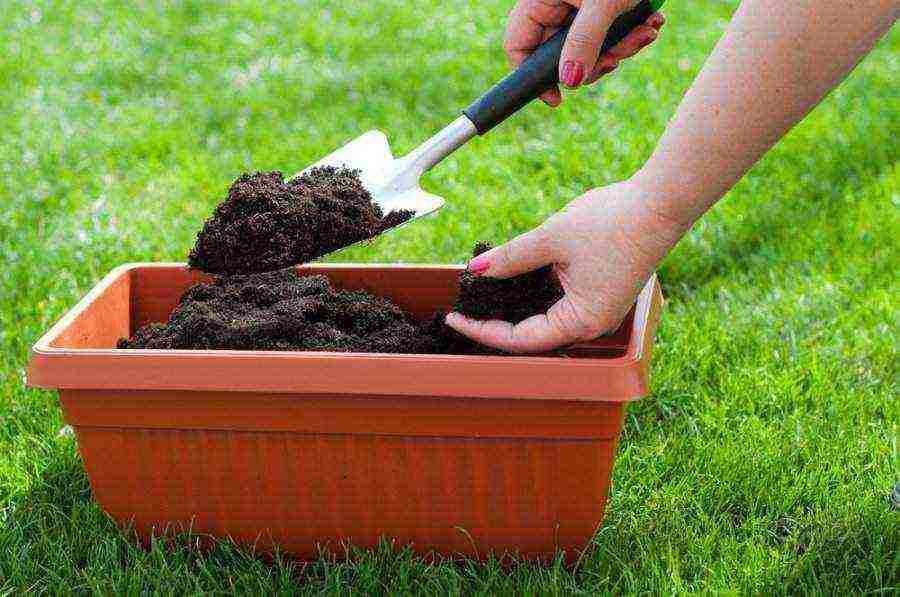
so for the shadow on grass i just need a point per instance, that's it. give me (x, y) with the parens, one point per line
(857, 553)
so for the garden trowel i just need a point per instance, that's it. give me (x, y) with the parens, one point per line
(394, 182)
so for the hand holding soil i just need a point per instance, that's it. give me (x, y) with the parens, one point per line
(603, 246)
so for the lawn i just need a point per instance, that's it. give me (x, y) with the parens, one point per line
(763, 461)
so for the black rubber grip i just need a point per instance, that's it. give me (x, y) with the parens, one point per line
(540, 71)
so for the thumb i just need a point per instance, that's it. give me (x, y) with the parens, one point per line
(522, 254)
(584, 40)
(563, 324)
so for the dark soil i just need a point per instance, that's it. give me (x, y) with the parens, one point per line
(512, 299)
(267, 223)
(284, 311)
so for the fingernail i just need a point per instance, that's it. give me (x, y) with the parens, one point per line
(657, 20)
(572, 73)
(452, 318)
(479, 265)
(648, 37)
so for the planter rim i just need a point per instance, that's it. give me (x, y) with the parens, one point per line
(284, 371)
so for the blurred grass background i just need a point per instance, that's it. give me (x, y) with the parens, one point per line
(764, 460)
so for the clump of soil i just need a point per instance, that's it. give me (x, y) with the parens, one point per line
(284, 311)
(513, 299)
(268, 223)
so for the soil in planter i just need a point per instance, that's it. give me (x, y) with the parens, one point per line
(268, 223)
(284, 311)
(512, 299)
(281, 310)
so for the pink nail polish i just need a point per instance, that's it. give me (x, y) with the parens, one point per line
(566, 72)
(479, 265)
(572, 73)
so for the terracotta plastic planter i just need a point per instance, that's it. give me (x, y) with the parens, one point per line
(453, 454)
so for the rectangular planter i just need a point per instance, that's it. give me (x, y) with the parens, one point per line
(454, 454)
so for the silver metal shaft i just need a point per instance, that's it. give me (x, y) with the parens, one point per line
(424, 157)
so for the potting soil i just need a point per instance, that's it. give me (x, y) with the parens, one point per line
(267, 222)
(285, 311)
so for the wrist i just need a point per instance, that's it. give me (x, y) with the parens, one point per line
(659, 206)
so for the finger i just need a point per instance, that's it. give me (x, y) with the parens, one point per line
(522, 35)
(582, 46)
(638, 39)
(560, 326)
(530, 23)
(633, 43)
(548, 32)
(552, 97)
(656, 20)
(604, 67)
(522, 254)
(532, 335)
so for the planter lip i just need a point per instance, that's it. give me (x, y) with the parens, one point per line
(46, 369)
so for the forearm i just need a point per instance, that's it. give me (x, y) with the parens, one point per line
(776, 61)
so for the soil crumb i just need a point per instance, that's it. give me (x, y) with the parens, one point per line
(285, 311)
(267, 223)
(512, 299)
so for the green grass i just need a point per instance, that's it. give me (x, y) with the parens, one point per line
(764, 458)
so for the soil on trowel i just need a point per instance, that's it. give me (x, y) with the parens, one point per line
(268, 223)
(285, 311)
(513, 299)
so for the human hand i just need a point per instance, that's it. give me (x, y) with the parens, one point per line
(603, 246)
(531, 22)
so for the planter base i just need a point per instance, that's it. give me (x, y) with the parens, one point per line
(303, 491)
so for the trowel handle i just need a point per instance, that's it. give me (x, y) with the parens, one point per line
(540, 71)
